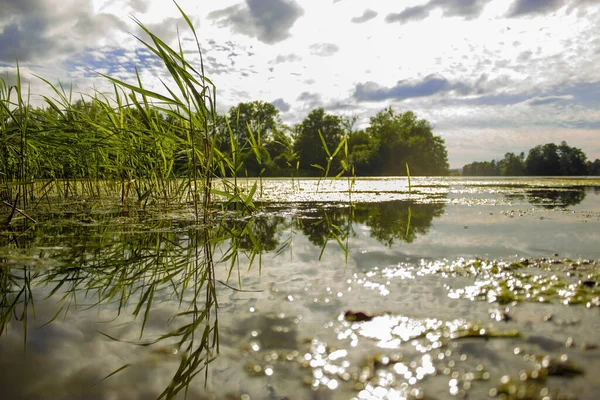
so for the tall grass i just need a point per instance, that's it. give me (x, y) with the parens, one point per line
(139, 137)
(160, 149)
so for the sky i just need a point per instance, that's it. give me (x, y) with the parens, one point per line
(492, 76)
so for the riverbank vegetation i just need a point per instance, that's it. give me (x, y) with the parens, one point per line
(547, 160)
(390, 141)
(125, 136)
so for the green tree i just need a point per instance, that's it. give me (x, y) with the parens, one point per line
(593, 167)
(250, 134)
(260, 117)
(363, 152)
(402, 138)
(482, 168)
(308, 145)
(546, 160)
(572, 160)
(512, 165)
(543, 161)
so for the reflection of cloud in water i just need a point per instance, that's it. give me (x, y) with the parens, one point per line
(68, 358)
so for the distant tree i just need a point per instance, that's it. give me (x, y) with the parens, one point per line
(493, 168)
(363, 151)
(403, 138)
(259, 117)
(359, 138)
(534, 163)
(436, 158)
(546, 160)
(593, 167)
(482, 168)
(543, 161)
(308, 145)
(572, 160)
(512, 165)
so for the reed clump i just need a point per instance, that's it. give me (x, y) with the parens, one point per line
(158, 148)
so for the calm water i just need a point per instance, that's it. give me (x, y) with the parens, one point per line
(456, 288)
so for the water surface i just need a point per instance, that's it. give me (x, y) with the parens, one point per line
(365, 289)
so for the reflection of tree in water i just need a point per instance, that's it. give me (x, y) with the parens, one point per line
(389, 221)
(320, 224)
(552, 198)
(261, 233)
(397, 220)
(515, 197)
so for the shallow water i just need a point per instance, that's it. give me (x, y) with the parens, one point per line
(456, 287)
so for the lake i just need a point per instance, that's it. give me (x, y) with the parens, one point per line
(367, 289)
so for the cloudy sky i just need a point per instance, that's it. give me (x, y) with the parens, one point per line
(491, 75)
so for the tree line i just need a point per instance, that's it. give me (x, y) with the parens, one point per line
(542, 160)
(89, 139)
(254, 136)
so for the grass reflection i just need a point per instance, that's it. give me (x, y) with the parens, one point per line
(127, 265)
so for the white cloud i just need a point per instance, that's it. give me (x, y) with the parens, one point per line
(324, 49)
(267, 20)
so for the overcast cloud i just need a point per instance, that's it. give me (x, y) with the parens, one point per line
(429, 86)
(267, 20)
(491, 75)
(35, 29)
(462, 8)
(281, 105)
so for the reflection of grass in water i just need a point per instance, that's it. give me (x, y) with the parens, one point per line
(161, 263)
(16, 297)
(129, 267)
(128, 271)
(146, 259)
(408, 177)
